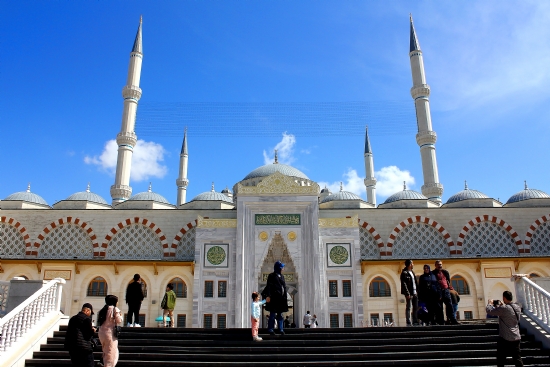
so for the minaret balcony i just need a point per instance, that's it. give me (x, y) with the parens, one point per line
(131, 91)
(182, 182)
(426, 137)
(126, 138)
(370, 181)
(432, 190)
(422, 90)
(121, 192)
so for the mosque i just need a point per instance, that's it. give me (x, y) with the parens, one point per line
(343, 255)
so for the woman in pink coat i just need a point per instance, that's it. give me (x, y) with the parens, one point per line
(107, 319)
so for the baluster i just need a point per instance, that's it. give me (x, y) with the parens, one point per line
(51, 298)
(34, 312)
(9, 336)
(528, 302)
(3, 338)
(545, 309)
(534, 308)
(18, 321)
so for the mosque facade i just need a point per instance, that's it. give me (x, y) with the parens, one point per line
(343, 254)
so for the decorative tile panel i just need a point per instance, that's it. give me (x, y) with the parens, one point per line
(489, 239)
(68, 241)
(215, 255)
(135, 242)
(338, 254)
(12, 244)
(420, 240)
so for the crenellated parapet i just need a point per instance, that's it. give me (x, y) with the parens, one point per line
(426, 137)
(126, 138)
(131, 92)
(420, 91)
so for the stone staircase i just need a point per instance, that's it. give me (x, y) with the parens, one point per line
(468, 344)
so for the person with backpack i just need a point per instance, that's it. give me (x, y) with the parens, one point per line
(275, 293)
(509, 339)
(167, 304)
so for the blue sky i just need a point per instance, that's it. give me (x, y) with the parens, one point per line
(63, 65)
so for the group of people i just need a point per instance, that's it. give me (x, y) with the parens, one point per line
(80, 341)
(426, 297)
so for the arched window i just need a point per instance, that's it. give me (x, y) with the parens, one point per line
(534, 275)
(143, 286)
(27, 278)
(460, 285)
(97, 287)
(180, 288)
(379, 287)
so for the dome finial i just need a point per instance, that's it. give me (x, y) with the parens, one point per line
(213, 187)
(526, 188)
(29, 187)
(88, 188)
(465, 185)
(404, 185)
(276, 158)
(341, 186)
(150, 187)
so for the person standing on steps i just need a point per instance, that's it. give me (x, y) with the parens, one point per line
(78, 337)
(509, 339)
(444, 283)
(428, 295)
(307, 320)
(275, 293)
(255, 314)
(408, 289)
(134, 297)
(107, 319)
(168, 304)
(314, 322)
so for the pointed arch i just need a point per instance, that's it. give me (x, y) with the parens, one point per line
(170, 251)
(101, 251)
(492, 219)
(62, 221)
(22, 231)
(377, 238)
(532, 229)
(423, 220)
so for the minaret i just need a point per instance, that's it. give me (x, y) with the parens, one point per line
(126, 139)
(370, 181)
(182, 180)
(426, 137)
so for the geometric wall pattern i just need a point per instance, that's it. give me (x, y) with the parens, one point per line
(170, 251)
(452, 249)
(60, 222)
(164, 248)
(367, 228)
(540, 240)
(68, 241)
(369, 247)
(419, 240)
(12, 244)
(186, 246)
(489, 239)
(135, 242)
(21, 230)
(521, 248)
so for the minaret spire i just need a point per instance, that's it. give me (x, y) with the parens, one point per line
(426, 137)
(127, 139)
(182, 180)
(370, 180)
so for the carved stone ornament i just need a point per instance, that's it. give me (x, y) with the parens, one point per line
(52, 274)
(278, 183)
(498, 273)
(263, 236)
(291, 236)
(216, 223)
(339, 222)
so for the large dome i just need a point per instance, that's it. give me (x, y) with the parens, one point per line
(27, 196)
(466, 194)
(149, 196)
(87, 196)
(270, 169)
(527, 194)
(405, 195)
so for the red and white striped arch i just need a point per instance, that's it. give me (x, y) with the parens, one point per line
(101, 251)
(171, 251)
(489, 218)
(58, 223)
(382, 248)
(532, 228)
(22, 230)
(454, 250)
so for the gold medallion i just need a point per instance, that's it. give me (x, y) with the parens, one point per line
(291, 236)
(263, 236)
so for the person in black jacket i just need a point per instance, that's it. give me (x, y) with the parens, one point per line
(428, 294)
(445, 286)
(78, 337)
(408, 289)
(134, 297)
(275, 294)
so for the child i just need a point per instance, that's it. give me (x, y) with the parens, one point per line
(256, 311)
(168, 303)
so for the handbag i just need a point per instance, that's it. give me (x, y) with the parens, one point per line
(95, 343)
(117, 330)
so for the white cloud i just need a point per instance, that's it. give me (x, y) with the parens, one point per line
(285, 150)
(390, 180)
(146, 160)
(350, 182)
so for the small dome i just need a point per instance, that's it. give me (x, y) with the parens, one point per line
(27, 196)
(87, 196)
(340, 195)
(149, 196)
(226, 191)
(527, 194)
(270, 169)
(212, 195)
(466, 194)
(405, 195)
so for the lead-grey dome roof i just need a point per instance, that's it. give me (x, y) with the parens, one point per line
(87, 196)
(527, 194)
(340, 196)
(466, 194)
(27, 196)
(212, 195)
(270, 169)
(405, 195)
(149, 196)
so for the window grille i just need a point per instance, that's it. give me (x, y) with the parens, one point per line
(209, 288)
(208, 321)
(180, 288)
(181, 320)
(222, 288)
(334, 320)
(97, 288)
(333, 288)
(379, 287)
(221, 322)
(348, 320)
(346, 288)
